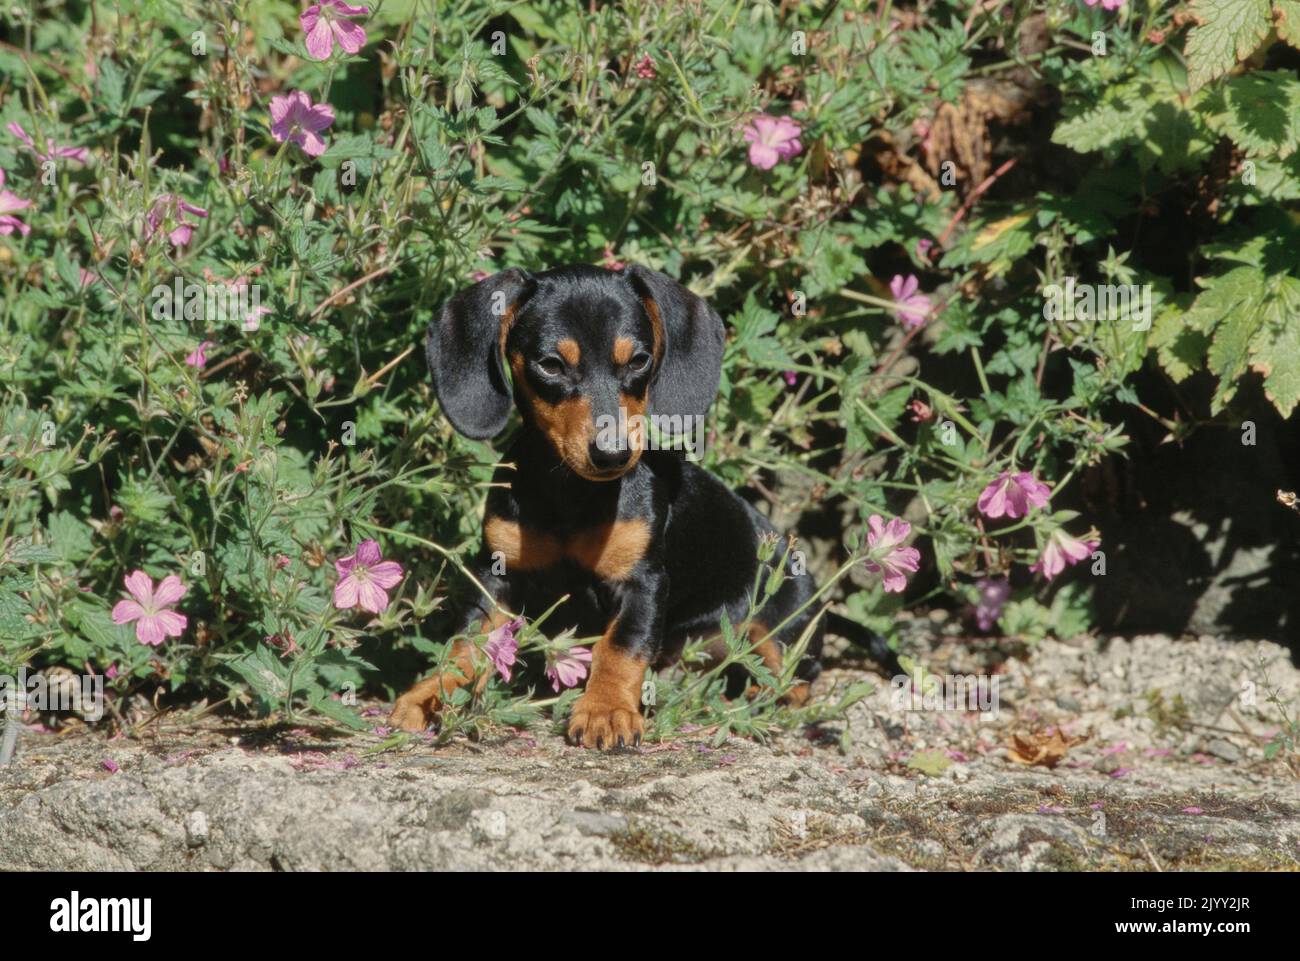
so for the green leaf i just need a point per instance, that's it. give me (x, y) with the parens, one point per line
(1259, 111)
(932, 763)
(1276, 355)
(1246, 312)
(69, 536)
(1288, 20)
(1228, 31)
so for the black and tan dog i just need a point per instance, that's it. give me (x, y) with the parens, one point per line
(650, 548)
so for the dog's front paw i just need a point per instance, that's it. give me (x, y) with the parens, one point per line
(599, 724)
(414, 710)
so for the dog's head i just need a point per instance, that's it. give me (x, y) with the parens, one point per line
(579, 344)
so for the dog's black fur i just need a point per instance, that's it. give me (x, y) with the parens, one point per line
(650, 548)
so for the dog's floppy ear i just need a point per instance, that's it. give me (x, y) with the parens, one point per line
(464, 348)
(689, 342)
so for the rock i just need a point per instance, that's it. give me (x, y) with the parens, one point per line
(196, 829)
(1224, 750)
(807, 800)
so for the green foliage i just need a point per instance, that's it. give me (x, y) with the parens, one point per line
(471, 137)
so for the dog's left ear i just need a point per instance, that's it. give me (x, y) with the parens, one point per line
(689, 341)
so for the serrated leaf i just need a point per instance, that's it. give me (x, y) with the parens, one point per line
(1227, 32)
(1237, 308)
(1287, 14)
(1179, 348)
(1259, 111)
(1276, 355)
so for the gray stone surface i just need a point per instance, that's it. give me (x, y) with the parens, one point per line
(1172, 773)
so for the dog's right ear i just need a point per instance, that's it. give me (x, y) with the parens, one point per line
(464, 348)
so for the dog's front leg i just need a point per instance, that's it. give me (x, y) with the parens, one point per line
(608, 714)
(415, 710)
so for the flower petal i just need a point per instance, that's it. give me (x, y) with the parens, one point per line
(140, 586)
(371, 597)
(345, 593)
(368, 553)
(169, 591)
(350, 36)
(173, 624)
(386, 574)
(124, 612)
(320, 41)
(149, 630)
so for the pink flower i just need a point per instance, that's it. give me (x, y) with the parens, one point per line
(923, 248)
(887, 556)
(993, 594)
(772, 139)
(253, 319)
(154, 623)
(79, 154)
(295, 118)
(913, 308)
(501, 646)
(326, 22)
(8, 204)
(169, 211)
(645, 69)
(1012, 495)
(85, 277)
(364, 578)
(109, 765)
(1062, 551)
(791, 378)
(1106, 4)
(610, 261)
(112, 671)
(199, 358)
(569, 668)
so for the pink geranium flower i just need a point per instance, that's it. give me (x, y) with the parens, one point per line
(1012, 495)
(1106, 4)
(8, 204)
(886, 554)
(326, 22)
(501, 646)
(1062, 551)
(364, 579)
(169, 212)
(79, 154)
(296, 119)
(913, 309)
(199, 358)
(149, 609)
(568, 668)
(772, 139)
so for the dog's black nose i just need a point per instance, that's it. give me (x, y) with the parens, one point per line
(603, 459)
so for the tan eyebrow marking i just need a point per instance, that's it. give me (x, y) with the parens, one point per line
(623, 348)
(570, 351)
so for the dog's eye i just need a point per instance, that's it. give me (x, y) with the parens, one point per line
(639, 363)
(551, 366)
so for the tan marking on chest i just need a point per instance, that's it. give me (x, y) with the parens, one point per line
(610, 551)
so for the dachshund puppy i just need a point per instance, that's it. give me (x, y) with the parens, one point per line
(650, 548)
